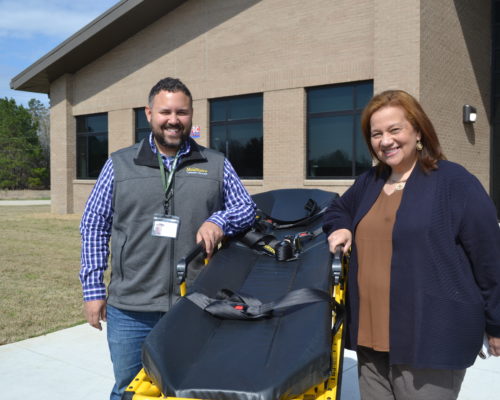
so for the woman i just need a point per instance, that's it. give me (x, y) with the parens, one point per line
(424, 276)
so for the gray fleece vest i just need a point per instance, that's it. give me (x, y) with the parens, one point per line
(143, 276)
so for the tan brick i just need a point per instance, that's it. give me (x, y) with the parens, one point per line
(436, 50)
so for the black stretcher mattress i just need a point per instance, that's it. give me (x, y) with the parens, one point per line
(193, 354)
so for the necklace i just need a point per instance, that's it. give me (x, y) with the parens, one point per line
(398, 185)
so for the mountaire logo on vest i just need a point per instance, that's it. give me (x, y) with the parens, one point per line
(198, 171)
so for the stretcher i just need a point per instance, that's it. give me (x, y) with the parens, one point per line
(263, 321)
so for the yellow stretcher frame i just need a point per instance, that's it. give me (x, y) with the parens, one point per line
(142, 388)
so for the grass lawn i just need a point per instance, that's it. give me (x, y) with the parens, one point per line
(39, 264)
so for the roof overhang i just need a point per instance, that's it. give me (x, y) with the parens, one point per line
(92, 41)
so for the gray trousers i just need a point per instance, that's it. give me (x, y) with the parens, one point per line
(380, 381)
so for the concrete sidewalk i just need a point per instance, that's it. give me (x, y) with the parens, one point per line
(69, 364)
(74, 364)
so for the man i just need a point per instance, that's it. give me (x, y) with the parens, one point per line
(156, 199)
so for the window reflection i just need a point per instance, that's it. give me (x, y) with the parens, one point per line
(329, 147)
(91, 145)
(335, 145)
(330, 99)
(142, 128)
(236, 130)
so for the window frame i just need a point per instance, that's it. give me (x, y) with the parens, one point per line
(354, 112)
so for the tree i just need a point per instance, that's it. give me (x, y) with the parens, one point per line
(41, 116)
(22, 164)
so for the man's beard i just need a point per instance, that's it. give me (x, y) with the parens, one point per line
(170, 143)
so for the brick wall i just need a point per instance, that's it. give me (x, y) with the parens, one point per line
(455, 53)
(275, 47)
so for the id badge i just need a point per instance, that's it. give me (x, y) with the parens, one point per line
(165, 226)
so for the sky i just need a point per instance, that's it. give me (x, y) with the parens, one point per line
(29, 29)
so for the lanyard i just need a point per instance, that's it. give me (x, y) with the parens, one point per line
(167, 180)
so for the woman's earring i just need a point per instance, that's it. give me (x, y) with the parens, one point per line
(419, 145)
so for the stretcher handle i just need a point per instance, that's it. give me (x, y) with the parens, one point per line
(337, 265)
(182, 265)
(338, 258)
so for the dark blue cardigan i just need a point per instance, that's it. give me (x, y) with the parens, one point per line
(445, 271)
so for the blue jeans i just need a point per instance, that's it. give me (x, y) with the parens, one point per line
(126, 331)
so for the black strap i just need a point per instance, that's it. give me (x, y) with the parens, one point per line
(287, 249)
(231, 305)
(302, 222)
(265, 222)
(255, 239)
(262, 242)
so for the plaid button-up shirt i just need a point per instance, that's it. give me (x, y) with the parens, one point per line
(95, 227)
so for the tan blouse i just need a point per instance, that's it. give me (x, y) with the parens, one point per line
(374, 247)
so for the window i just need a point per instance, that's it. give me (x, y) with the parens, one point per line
(236, 130)
(335, 144)
(142, 128)
(91, 145)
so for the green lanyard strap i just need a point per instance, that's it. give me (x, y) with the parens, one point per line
(167, 181)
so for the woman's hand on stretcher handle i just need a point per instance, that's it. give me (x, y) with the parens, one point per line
(342, 238)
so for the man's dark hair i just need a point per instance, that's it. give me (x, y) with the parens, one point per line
(169, 85)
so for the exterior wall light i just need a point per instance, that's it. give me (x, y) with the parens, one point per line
(470, 114)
